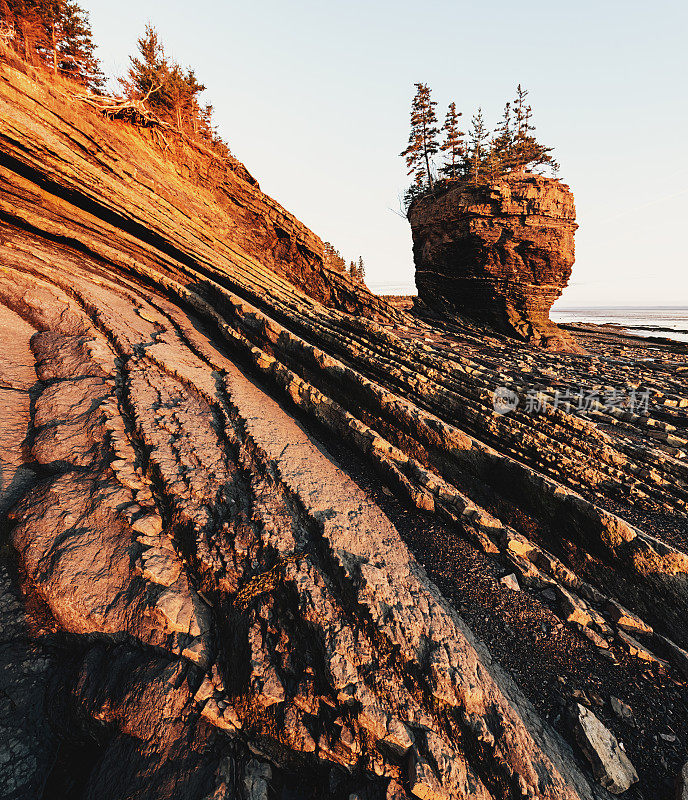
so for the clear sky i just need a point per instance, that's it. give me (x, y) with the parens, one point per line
(314, 98)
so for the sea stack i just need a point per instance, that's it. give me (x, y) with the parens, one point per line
(498, 254)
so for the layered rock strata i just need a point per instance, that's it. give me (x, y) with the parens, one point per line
(499, 254)
(254, 542)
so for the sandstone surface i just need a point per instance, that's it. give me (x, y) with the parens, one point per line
(252, 542)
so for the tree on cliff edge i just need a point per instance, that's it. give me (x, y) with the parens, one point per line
(170, 91)
(422, 143)
(23, 28)
(333, 258)
(167, 89)
(55, 33)
(148, 71)
(357, 270)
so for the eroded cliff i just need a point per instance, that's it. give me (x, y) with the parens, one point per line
(257, 546)
(499, 254)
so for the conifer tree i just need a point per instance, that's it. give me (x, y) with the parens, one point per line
(47, 45)
(7, 31)
(512, 148)
(477, 147)
(422, 144)
(23, 28)
(492, 164)
(520, 106)
(148, 72)
(333, 259)
(357, 270)
(75, 47)
(527, 152)
(453, 143)
(207, 132)
(181, 90)
(503, 142)
(56, 33)
(522, 114)
(170, 91)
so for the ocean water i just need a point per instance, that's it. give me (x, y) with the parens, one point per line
(664, 322)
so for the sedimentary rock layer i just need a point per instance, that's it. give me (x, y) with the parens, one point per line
(251, 537)
(498, 254)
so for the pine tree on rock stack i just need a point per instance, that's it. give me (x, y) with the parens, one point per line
(422, 144)
(526, 150)
(453, 145)
(477, 148)
(503, 141)
(486, 158)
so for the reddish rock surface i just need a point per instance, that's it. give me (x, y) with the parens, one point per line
(499, 255)
(252, 544)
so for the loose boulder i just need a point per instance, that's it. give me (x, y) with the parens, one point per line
(610, 764)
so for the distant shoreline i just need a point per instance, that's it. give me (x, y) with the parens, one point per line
(663, 322)
(669, 323)
(619, 308)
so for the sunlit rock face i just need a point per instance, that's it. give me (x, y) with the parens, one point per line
(499, 255)
(254, 545)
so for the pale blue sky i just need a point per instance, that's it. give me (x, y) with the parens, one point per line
(314, 98)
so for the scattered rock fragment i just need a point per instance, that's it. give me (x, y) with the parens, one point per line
(423, 781)
(257, 776)
(296, 733)
(199, 652)
(635, 648)
(387, 729)
(510, 582)
(627, 619)
(610, 764)
(678, 656)
(573, 608)
(223, 718)
(180, 612)
(160, 566)
(621, 709)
